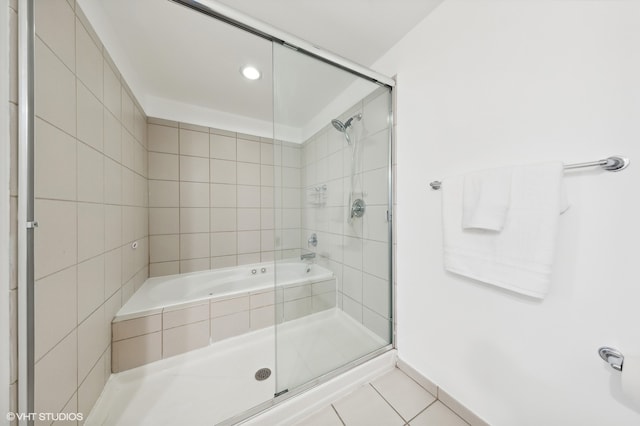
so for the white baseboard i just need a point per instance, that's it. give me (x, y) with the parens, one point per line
(444, 397)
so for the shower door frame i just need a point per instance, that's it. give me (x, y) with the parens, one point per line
(26, 200)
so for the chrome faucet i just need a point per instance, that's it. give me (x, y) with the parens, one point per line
(311, 255)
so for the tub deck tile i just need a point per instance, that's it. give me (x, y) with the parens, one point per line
(136, 327)
(185, 338)
(180, 317)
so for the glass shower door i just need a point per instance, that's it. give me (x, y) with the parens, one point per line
(332, 201)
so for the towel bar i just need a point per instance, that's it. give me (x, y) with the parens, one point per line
(611, 164)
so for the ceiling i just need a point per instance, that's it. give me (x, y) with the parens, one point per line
(359, 30)
(185, 66)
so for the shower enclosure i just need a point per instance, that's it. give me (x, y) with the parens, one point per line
(340, 189)
(123, 196)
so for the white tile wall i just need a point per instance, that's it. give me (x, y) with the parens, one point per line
(55, 309)
(55, 89)
(56, 246)
(223, 171)
(91, 287)
(194, 143)
(55, 167)
(91, 203)
(356, 252)
(223, 147)
(215, 186)
(90, 116)
(56, 375)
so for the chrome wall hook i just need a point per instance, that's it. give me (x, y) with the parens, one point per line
(613, 356)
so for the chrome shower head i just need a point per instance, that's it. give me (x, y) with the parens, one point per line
(343, 127)
(339, 125)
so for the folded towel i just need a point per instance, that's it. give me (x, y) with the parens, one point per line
(486, 199)
(520, 257)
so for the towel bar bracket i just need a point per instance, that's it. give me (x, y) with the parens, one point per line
(616, 164)
(613, 356)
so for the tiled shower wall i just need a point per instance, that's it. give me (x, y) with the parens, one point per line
(91, 205)
(357, 252)
(211, 197)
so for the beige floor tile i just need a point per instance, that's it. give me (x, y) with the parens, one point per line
(365, 407)
(460, 409)
(325, 417)
(405, 395)
(438, 415)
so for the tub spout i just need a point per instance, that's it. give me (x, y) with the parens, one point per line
(308, 256)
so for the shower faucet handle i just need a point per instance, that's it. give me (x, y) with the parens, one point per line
(312, 241)
(358, 208)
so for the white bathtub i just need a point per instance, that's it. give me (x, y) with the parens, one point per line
(183, 289)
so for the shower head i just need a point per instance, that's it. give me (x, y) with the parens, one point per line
(339, 125)
(343, 127)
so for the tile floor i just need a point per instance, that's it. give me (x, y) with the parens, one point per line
(393, 399)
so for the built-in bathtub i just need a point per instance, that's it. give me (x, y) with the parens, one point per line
(174, 314)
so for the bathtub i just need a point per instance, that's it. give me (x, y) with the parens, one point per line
(174, 314)
(173, 290)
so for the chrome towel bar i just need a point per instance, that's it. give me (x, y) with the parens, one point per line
(611, 164)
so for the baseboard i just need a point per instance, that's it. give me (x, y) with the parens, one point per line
(444, 397)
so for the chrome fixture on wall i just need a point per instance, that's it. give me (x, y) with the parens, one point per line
(312, 241)
(357, 208)
(344, 127)
(308, 256)
(613, 356)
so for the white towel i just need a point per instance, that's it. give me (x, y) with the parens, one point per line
(486, 199)
(520, 257)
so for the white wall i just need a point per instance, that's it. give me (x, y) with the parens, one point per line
(487, 83)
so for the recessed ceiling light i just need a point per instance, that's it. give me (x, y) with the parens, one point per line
(250, 72)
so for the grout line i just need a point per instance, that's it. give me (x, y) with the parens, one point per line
(55, 54)
(338, 414)
(385, 400)
(452, 410)
(75, 393)
(422, 411)
(75, 328)
(95, 364)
